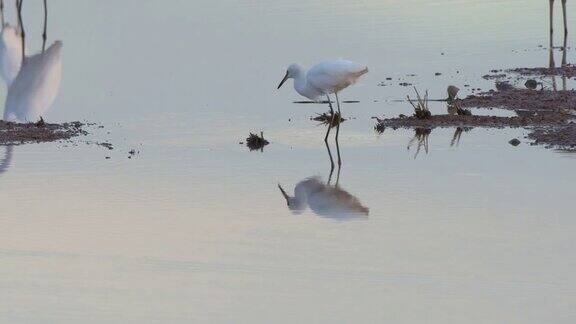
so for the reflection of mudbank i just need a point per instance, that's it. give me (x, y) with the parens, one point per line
(7, 160)
(324, 200)
(36, 85)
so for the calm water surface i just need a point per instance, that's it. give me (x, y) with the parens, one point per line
(194, 227)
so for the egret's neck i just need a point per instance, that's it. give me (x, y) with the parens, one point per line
(300, 82)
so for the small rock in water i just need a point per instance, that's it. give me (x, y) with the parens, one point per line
(514, 142)
(531, 84)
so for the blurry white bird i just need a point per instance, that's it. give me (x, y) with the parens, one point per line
(36, 86)
(323, 79)
(324, 200)
(10, 53)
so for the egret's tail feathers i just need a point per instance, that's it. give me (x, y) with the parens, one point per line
(363, 71)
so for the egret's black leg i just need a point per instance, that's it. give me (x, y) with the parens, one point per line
(331, 120)
(338, 130)
(21, 23)
(326, 137)
(551, 23)
(45, 24)
(2, 11)
(565, 19)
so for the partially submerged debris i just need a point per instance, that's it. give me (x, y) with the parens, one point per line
(533, 84)
(255, 142)
(452, 93)
(41, 122)
(421, 110)
(514, 142)
(327, 118)
(21, 133)
(106, 145)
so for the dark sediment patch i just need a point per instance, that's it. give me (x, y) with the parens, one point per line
(22, 133)
(494, 76)
(524, 99)
(469, 121)
(568, 70)
(557, 137)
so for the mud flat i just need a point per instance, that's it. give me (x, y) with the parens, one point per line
(550, 116)
(22, 133)
(568, 71)
(523, 99)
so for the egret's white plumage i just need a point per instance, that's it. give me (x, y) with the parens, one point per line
(324, 78)
(36, 86)
(10, 53)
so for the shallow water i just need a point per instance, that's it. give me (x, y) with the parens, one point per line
(193, 228)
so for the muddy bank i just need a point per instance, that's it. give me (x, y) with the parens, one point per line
(471, 121)
(557, 131)
(17, 133)
(568, 71)
(558, 137)
(523, 99)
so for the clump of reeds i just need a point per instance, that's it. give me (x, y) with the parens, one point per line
(326, 119)
(421, 110)
(255, 142)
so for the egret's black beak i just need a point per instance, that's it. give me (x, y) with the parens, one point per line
(282, 190)
(283, 80)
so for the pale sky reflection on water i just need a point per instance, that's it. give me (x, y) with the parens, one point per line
(194, 227)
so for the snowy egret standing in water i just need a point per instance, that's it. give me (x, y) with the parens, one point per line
(323, 79)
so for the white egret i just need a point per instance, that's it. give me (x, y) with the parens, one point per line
(323, 79)
(324, 200)
(10, 53)
(10, 48)
(36, 86)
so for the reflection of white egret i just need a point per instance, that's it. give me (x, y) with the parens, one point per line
(324, 200)
(36, 86)
(7, 160)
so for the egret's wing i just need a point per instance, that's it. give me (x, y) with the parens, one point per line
(35, 88)
(335, 75)
(10, 53)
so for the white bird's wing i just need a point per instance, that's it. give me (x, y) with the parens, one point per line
(334, 75)
(10, 53)
(36, 86)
